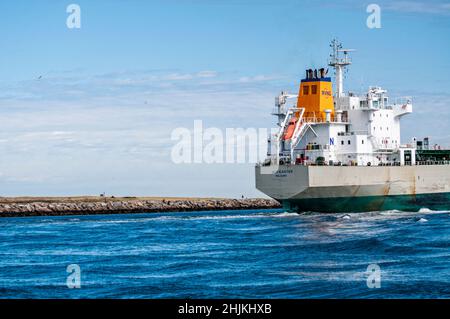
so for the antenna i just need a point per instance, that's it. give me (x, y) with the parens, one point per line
(339, 63)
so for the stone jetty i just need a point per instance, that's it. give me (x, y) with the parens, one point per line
(61, 206)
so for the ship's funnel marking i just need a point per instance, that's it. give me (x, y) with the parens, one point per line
(315, 94)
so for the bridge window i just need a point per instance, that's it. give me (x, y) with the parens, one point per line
(342, 142)
(313, 89)
(306, 90)
(349, 142)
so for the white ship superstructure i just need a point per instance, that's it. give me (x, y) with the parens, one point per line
(344, 129)
(355, 130)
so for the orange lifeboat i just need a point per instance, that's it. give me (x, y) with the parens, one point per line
(290, 129)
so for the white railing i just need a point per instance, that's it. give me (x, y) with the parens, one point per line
(287, 160)
(318, 120)
(403, 100)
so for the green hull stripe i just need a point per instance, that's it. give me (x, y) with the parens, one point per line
(437, 201)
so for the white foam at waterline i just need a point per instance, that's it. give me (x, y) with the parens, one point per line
(398, 214)
(286, 214)
(391, 212)
(425, 210)
(196, 217)
(422, 220)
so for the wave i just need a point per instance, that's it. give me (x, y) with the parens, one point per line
(286, 214)
(205, 216)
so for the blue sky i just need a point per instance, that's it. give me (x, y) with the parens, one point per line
(100, 118)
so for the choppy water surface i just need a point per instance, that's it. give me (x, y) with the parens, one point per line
(227, 254)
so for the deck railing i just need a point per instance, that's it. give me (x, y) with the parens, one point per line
(287, 161)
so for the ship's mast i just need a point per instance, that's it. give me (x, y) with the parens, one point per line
(339, 63)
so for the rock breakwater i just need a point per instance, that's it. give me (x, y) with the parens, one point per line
(20, 207)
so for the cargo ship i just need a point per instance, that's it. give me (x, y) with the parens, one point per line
(341, 152)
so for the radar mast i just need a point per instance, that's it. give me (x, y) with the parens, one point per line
(339, 62)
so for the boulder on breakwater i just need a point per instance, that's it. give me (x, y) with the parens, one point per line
(61, 206)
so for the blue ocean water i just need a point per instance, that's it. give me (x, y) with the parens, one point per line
(227, 254)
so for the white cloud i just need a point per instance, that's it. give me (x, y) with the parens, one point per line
(207, 74)
(178, 76)
(435, 7)
(113, 133)
(257, 78)
(430, 7)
